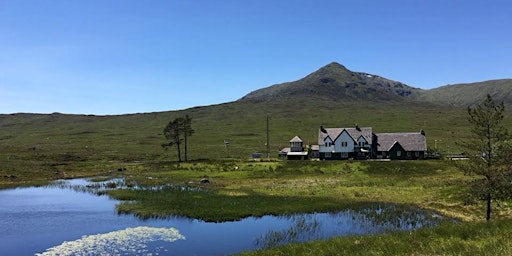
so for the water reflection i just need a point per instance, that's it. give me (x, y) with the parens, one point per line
(99, 186)
(303, 228)
(373, 219)
(38, 218)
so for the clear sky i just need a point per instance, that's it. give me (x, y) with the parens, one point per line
(131, 56)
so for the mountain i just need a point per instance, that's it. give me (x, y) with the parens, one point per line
(336, 82)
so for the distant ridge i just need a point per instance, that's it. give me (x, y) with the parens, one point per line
(469, 94)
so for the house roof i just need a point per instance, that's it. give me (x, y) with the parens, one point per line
(296, 139)
(354, 132)
(284, 150)
(410, 141)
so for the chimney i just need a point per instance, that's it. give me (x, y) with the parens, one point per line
(422, 132)
(357, 127)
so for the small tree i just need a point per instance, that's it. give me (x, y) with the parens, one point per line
(173, 133)
(177, 132)
(489, 154)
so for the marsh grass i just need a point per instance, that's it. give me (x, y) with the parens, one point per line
(210, 206)
(238, 189)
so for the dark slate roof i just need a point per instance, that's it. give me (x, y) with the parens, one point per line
(355, 133)
(410, 141)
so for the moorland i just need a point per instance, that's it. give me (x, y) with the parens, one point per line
(36, 148)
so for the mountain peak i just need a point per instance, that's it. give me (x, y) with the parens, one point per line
(334, 65)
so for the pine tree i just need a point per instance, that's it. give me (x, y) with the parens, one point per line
(177, 132)
(489, 153)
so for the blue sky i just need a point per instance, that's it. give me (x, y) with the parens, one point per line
(130, 56)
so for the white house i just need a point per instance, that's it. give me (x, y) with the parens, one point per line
(343, 143)
(362, 143)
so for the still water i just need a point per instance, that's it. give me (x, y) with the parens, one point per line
(64, 219)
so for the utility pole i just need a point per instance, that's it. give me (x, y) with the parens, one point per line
(268, 142)
(226, 143)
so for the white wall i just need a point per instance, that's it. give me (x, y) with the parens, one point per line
(344, 137)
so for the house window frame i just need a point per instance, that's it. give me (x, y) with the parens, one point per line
(328, 154)
(398, 153)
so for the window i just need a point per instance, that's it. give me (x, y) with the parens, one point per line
(328, 144)
(417, 153)
(399, 153)
(344, 144)
(328, 155)
(362, 143)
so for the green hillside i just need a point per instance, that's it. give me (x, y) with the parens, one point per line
(61, 137)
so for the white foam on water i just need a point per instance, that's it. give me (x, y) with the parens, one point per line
(126, 241)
